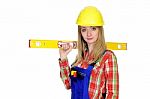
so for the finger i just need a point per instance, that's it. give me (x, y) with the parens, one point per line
(64, 46)
(70, 48)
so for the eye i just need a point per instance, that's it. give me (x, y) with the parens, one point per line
(83, 30)
(93, 28)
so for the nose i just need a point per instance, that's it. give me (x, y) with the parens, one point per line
(89, 32)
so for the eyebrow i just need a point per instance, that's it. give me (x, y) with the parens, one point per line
(89, 26)
(93, 26)
(83, 27)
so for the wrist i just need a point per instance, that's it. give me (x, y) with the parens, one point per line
(63, 58)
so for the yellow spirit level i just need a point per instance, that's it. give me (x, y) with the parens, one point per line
(33, 43)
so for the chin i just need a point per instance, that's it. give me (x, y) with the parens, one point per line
(90, 42)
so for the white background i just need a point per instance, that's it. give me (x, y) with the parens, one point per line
(27, 73)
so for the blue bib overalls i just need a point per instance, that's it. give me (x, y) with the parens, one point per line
(80, 82)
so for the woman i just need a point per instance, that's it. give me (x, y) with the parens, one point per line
(94, 73)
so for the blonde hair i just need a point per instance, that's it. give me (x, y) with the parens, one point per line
(99, 46)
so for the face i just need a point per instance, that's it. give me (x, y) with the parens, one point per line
(89, 33)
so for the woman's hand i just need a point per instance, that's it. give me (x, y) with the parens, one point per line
(64, 50)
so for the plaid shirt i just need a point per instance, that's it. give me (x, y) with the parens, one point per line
(104, 77)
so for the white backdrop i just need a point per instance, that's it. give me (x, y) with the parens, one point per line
(27, 73)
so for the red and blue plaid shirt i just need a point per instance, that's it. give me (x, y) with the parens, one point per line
(104, 77)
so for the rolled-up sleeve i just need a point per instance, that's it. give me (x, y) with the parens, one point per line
(112, 77)
(65, 72)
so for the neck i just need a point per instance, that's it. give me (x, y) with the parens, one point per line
(90, 47)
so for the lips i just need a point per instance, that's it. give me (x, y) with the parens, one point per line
(89, 38)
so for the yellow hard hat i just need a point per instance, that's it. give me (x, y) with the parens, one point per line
(90, 16)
